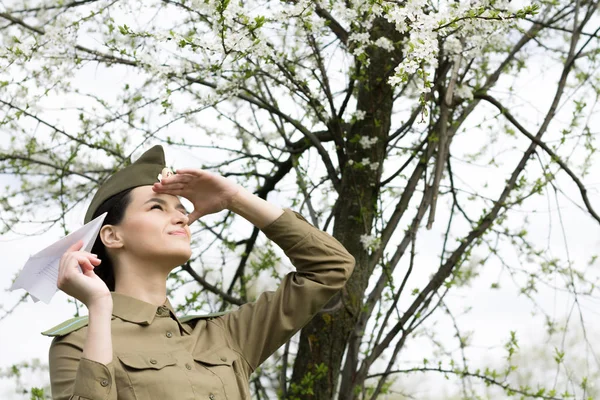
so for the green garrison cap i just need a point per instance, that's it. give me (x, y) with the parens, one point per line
(144, 171)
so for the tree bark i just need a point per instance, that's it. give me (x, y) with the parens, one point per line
(323, 341)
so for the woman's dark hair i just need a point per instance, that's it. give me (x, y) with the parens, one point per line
(115, 206)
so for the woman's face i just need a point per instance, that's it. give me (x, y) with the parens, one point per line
(155, 227)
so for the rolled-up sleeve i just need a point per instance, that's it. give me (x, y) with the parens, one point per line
(73, 377)
(322, 265)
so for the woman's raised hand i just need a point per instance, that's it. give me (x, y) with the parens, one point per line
(83, 285)
(207, 191)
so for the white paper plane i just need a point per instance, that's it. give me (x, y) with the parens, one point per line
(40, 274)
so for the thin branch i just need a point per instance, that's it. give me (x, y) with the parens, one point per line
(283, 372)
(12, 309)
(349, 91)
(464, 373)
(61, 6)
(444, 135)
(413, 234)
(239, 272)
(407, 124)
(335, 26)
(55, 128)
(333, 175)
(547, 149)
(13, 156)
(99, 55)
(211, 288)
(416, 152)
(445, 271)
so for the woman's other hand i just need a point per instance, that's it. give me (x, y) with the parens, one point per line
(207, 191)
(83, 285)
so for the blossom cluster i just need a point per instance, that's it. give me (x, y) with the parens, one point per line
(365, 163)
(475, 23)
(367, 142)
(370, 242)
(235, 40)
(464, 28)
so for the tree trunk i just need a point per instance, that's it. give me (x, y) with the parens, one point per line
(323, 341)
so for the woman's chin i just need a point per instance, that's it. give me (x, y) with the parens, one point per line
(178, 256)
(183, 257)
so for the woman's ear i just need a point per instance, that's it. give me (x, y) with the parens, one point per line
(110, 236)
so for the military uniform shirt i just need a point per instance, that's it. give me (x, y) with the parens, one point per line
(157, 356)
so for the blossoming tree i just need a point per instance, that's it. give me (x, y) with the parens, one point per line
(372, 117)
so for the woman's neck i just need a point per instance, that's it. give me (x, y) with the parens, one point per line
(145, 282)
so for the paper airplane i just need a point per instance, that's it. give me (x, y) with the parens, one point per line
(40, 274)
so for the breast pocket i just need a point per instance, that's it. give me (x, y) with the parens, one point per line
(147, 375)
(224, 363)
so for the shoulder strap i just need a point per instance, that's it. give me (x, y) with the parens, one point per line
(191, 317)
(73, 324)
(67, 326)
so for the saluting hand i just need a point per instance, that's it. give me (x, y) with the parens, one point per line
(207, 191)
(86, 287)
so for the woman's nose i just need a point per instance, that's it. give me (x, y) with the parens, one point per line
(181, 218)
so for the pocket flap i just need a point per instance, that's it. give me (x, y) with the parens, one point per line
(220, 356)
(147, 360)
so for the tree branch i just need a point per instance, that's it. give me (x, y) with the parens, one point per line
(211, 288)
(266, 106)
(547, 149)
(335, 26)
(485, 222)
(464, 373)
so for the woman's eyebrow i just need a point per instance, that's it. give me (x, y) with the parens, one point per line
(161, 201)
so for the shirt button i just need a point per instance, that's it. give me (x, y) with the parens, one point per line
(223, 358)
(152, 361)
(188, 366)
(211, 396)
(169, 334)
(104, 383)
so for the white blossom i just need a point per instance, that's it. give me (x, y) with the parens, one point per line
(359, 115)
(358, 51)
(452, 45)
(360, 37)
(468, 24)
(385, 43)
(464, 92)
(370, 242)
(367, 142)
(166, 172)
(343, 12)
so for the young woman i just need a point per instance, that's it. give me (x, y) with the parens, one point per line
(133, 346)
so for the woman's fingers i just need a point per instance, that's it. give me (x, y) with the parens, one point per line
(193, 216)
(76, 275)
(95, 261)
(86, 266)
(86, 261)
(75, 246)
(175, 192)
(189, 171)
(179, 178)
(186, 192)
(170, 186)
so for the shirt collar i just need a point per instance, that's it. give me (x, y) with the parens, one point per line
(139, 312)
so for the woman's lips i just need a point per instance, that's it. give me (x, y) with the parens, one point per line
(178, 233)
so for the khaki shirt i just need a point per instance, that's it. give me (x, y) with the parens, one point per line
(158, 356)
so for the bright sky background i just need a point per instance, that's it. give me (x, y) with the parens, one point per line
(494, 312)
